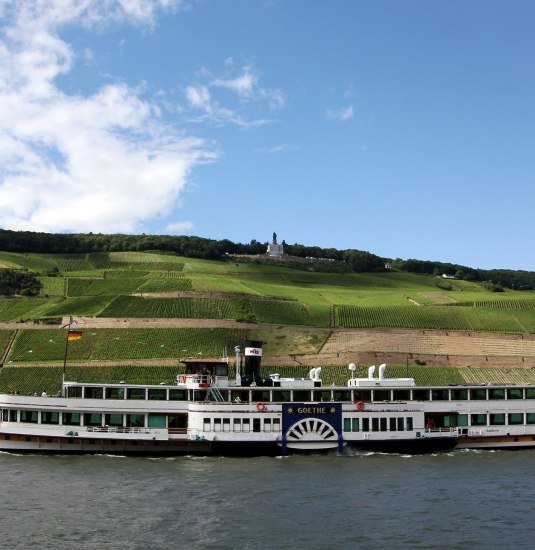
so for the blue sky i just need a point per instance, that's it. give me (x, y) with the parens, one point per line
(401, 128)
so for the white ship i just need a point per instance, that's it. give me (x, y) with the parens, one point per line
(207, 413)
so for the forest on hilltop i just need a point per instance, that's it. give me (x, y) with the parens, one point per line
(356, 261)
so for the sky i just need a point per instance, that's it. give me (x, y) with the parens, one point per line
(406, 129)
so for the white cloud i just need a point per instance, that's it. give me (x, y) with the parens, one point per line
(201, 97)
(342, 115)
(243, 85)
(102, 162)
(276, 149)
(178, 227)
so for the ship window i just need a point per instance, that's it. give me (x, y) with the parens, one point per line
(157, 421)
(530, 418)
(92, 419)
(226, 425)
(401, 395)
(276, 425)
(459, 395)
(135, 393)
(382, 424)
(478, 419)
(92, 392)
(267, 424)
(71, 419)
(497, 393)
(462, 420)
(113, 419)
(440, 395)
(342, 395)
(530, 393)
(514, 393)
(217, 424)
(347, 424)
(256, 424)
(301, 395)
(114, 393)
(240, 396)
(178, 395)
(282, 396)
(497, 419)
(420, 395)
(321, 395)
(516, 418)
(237, 425)
(479, 394)
(365, 424)
(246, 424)
(207, 425)
(381, 395)
(355, 424)
(261, 395)
(5, 415)
(49, 417)
(29, 416)
(392, 424)
(401, 424)
(75, 391)
(135, 420)
(409, 424)
(12, 415)
(157, 394)
(375, 424)
(362, 395)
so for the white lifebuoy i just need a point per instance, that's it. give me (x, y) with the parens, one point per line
(360, 406)
(260, 407)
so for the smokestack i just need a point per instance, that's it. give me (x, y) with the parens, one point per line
(253, 357)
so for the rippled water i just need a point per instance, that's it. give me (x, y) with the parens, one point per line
(446, 500)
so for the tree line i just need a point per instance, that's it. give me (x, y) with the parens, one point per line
(357, 261)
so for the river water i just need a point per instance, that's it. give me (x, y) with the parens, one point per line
(448, 500)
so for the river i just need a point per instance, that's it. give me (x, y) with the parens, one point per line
(463, 498)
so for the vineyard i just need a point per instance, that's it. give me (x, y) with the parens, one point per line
(429, 317)
(47, 345)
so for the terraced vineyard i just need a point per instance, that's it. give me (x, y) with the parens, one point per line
(429, 317)
(293, 310)
(47, 345)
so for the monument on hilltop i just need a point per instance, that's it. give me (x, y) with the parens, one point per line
(274, 249)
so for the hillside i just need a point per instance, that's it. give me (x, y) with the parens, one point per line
(153, 308)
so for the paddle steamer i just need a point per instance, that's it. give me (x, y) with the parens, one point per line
(206, 412)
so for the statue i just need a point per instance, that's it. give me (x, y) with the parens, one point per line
(274, 237)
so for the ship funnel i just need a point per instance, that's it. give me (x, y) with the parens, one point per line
(253, 357)
(382, 371)
(317, 374)
(312, 373)
(371, 370)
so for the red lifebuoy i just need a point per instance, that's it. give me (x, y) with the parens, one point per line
(260, 407)
(183, 379)
(360, 406)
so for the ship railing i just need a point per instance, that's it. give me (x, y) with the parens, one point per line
(442, 431)
(124, 430)
(178, 430)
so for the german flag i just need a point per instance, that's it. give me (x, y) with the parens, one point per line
(74, 335)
